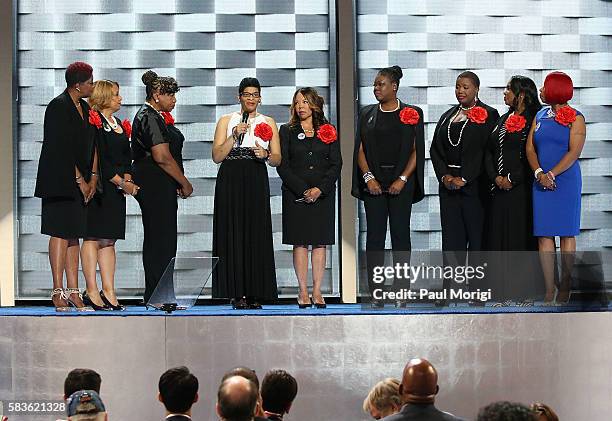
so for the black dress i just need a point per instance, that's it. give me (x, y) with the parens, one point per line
(106, 213)
(308, 162)
(157, 196)
(68, 143)
(242, 229)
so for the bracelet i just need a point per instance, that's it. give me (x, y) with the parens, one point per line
(122, 184)
(368, 176)
(94, 173)
(77, 179)
(129, 181)
(509, 178)
(538, 171)
(551, 175)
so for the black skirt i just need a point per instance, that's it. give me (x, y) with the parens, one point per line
(308, 223)
(106, 214)
(242, 232)
(64, 217)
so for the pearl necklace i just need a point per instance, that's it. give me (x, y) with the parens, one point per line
(114, 125)
(461, 108)
(308, 131)
(390, 111)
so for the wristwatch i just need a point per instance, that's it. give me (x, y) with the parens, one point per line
(403, 178)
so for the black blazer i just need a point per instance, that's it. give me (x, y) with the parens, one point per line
(412, 135)
(474, 139)
(114, 152)
(427, 412)
(308, 162)
(68, 142)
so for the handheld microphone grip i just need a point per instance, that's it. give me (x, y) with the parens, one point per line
(245, 118)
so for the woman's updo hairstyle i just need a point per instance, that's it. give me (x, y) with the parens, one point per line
(159, 84)
(393, 73)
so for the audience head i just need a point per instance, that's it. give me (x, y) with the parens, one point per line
(105, 96)
(544, 412)
(387, 83)
(161, 90)
(79, 75)
(384, 399)
(315, 103)
(236, 399)
(558, 88)
(85, 405)
(521, 88)
(466, 88)
(506, 411)
(278, 390)
(419, 382)
(81, 379)
(245, 372)
(178, 390)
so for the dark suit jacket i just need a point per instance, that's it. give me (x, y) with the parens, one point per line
(177, 418)
(474, 141)
(412, 135)
(308, 163)
(68, 142)
(412, 412)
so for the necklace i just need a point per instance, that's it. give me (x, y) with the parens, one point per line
(462, 127)
(390, 111)
(114, 125)
(308, 131)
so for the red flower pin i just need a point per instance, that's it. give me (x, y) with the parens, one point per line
(263, 131)
(327, 133)
(168, 118)
(94, 119)
(565, 115)
(127, 128)
(409, 116)
(515, 123)
(478, 115)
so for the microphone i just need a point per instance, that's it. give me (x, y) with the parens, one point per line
(245, 118)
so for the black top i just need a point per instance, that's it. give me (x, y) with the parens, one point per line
(453, 153)
(308, 162)
(387, 137)
(411, 135)
(68, 142)
(149, 129)
(114, 151)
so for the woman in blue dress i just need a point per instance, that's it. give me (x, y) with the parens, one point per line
(553, 147)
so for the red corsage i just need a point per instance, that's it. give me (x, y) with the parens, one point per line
(168, 118)
(515, 123)
(94, 119)
(565, 115)
(263, 131)
(478, 115)
(127, 128)
(327, 133)
(409, 116)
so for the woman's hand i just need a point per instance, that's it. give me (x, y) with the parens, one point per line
(241, 128)
(260, 152)
(546, 182)
(93, 182)
(447, 182)
(457, 183)
(503, 183)
(396, 187)
(311, 195)
(186, 190)
(130, 188)
(85, 190)
(374, 187)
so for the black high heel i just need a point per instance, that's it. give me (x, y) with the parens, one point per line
(110, 305)
(318, 305)
(304, 305)
(88, 302)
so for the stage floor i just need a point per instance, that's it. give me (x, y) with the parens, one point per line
(293, 310)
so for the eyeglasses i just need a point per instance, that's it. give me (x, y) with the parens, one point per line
(254, 95)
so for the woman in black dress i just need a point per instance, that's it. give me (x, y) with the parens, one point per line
(388, 170)
(106, 214)
(66, 181)
(457, 151)
(309, 169)
(242, 225)
(158, 169)
(510, 214)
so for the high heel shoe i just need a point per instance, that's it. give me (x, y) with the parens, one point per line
(318, 305)
(304, 305)
(77, 306)
(106, 301)
(63, 300)
(88, 302)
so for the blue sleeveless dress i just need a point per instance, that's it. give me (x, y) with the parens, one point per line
(555, 212)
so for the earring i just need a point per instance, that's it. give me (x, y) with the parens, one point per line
(157, 100)
(77, 88)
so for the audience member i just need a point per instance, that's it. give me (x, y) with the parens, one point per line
(384, 399)
(506, 411)
(278, 390)
(418, 390)
(81, 379)
(86, 405)
(544, 412)
(236, 399)
(248, 374)
(178, 391)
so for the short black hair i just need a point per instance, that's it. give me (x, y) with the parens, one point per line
(241, 408)
(245, 372)
(278, 390)
(248, 82)
(82, 379)
(506, 411)
(394, 73)
(178, 389)
(471, 76)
